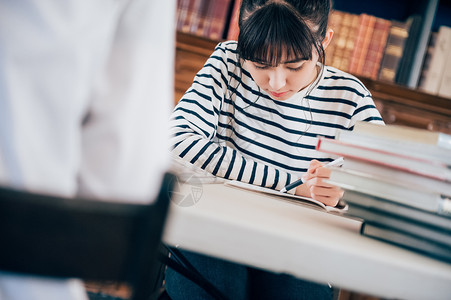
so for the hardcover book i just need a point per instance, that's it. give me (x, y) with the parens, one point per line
(395, 222)
(399, 31)
(399, 176)
(366, 28)
(234, 29)
(216, 19)
(404, 133)
(408, 241)
(419, 216)
(410, 50)
(335, 21)
(427, 60)
(345, 40)
(402, 158)
(445, 83)
(438, 61)
(376, 48)
(389, 189)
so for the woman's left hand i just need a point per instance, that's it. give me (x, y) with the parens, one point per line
(315, 186)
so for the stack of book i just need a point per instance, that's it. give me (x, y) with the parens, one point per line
(398, 180)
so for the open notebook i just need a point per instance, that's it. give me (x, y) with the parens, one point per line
(340, 208)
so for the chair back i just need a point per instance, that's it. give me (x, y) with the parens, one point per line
(80, 238)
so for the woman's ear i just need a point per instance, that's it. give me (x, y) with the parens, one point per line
(328, 38)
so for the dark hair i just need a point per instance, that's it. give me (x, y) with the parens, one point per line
(271, 28)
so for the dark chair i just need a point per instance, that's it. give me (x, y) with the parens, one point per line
(79, 238)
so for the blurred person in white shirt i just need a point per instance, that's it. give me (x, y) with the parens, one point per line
(86, 89)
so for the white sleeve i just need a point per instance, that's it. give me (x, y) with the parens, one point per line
(125, 138)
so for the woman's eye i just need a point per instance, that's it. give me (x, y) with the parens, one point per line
(261, 67)
(296, 68)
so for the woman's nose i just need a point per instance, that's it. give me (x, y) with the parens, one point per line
(277, 79)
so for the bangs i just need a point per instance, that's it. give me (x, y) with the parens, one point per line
(275, 32)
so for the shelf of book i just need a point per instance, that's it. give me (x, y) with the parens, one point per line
(406, 44)
(397, 104)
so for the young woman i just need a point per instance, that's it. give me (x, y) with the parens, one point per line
(254, 114)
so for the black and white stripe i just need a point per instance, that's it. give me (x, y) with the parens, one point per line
(226, 125)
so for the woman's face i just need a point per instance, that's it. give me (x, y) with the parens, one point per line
(286, 79)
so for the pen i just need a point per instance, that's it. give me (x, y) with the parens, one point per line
(336, 162)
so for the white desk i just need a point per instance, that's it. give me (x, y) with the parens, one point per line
(266, 232)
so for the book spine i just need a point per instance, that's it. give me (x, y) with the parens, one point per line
(189, 16)
(345, 41)
(402, 177)
(393, 51)
(196, 16)
(340, 25)
(234, 29)
(437, 66)
(445, 83)
(335, 24)
(366, 27)
(373, 186)
(363, 21)
(218, 19)
(203, 18)
(444, 140)
(416, 45)
(427, 60)
(367, 39)
(183, 7)
(407, 241)
(350, 42)
(378, 217)
(385, 205)
(376, 48)
(395, 159)
(414, 69)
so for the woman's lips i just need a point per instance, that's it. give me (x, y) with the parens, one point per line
(278, 95)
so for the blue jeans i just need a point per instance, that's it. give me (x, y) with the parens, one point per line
(238, 282)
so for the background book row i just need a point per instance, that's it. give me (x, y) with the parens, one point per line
(363, 44)
(381, 49)
(207, 18)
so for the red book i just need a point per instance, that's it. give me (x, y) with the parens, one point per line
(393, 156)
(217, 19)
(366, 27)
(376, 48)
(234, 29)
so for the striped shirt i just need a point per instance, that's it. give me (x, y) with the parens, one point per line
(228, 126)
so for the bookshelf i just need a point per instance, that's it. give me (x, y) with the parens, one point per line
(397, 104)
(401, 104)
